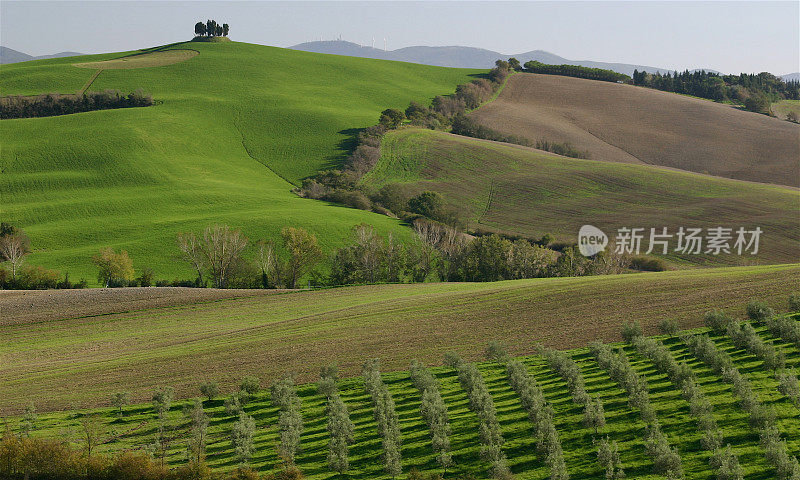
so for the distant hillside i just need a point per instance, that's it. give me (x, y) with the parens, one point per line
(456, 56)
(521, 191)
(791, 77)
(9, 55)
(624, 123)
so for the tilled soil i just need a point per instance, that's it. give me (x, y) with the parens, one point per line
(31, 306)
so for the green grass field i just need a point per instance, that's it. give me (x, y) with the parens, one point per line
(520, 191)
(137, 428)
(233, 129)
(782, 108)
(81, 360)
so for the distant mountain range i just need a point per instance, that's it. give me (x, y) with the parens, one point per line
(471, 57)
(791, 77)
(463, 57)
(9, 55)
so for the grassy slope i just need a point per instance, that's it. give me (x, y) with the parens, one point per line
(782, 108)
(137, 428)
(526, 192)
(624, 123)
(82, 360)
(134, 178)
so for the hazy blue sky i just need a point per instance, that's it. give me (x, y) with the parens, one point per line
(725, 36)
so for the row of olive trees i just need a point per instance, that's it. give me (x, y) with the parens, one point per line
(682, 377)
(666, 460)
(385, 416)
(290, 420)
(744, 336)
(593, 412)
(762, 418)
(541, 414)
(482, 404)
(339, 427)
(434, 412)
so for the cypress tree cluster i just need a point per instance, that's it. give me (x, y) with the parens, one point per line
(666, 460)
(434, 412)
(541, 414)
(340, 427)
(682, 377)
(482, 404)
(290, 420)
(385, 417)
(762, 419)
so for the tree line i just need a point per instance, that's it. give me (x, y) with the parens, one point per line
(576, 71)
(223, 257)
(52, 104)
(211, 29)
(755, 92)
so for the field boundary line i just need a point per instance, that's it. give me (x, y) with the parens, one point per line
(90, 82)
(492, 190)
(250, 154)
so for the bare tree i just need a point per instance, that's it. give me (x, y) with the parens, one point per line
(13, 248)
(223, 248)
(192, 253)
(267, 261)
(218, 253)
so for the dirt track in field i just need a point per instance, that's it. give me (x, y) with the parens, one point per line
(623, 123)
(32, 306)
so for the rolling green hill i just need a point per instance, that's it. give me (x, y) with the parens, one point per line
(521, 191)
(137, 427)
(232, 130)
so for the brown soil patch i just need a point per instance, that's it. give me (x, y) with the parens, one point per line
(144, 60)
(623, 123)
(32, 306)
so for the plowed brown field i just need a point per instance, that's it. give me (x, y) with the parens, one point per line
(623, 123)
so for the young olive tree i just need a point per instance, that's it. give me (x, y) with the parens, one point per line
(242, 438)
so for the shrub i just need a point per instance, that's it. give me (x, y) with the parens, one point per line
(631, 331)
(608, 457)
(794, 303)
(649, 264)
(759, 311)
(210, 390)
(249, 385)
(242, 438)
(789, 386)
(717, 321)
(668, 327)
(495, 351)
